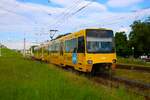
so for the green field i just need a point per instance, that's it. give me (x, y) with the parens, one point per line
(22, 79)
(133, 75)
(133, 61)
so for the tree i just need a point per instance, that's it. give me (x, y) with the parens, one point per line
(140, 37)
(121, 44)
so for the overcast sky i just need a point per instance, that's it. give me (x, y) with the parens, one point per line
(34, 18)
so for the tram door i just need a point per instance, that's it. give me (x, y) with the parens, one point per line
(61, 57)
(81, 52)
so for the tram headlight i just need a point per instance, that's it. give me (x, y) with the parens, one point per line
(114, 60)
(90, 62)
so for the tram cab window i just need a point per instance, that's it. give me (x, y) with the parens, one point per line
(81, 45)
(100, 41)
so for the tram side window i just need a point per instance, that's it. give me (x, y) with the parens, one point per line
(55, 47)
(70, 45)
(49, 48)
(61, 48)
(74, 45)
(81, 45)
(67, 46)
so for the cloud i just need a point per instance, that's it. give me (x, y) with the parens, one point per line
(26, 15)
(122, 3)
(124, 29)
(18, 44)
(64, 2)
(34, 19)
(96, 7)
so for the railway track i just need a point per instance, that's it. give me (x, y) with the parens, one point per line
(133, 67)
(133, 83)
(140, 88)
(136, 87)
(129, 82)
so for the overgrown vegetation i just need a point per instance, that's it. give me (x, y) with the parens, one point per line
(122, 44)
(133, 61)
(138, 42)
(133, 75)
(22, 79)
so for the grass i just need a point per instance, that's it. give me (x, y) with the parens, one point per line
(22, 79)
(132, 61)
(134, 75)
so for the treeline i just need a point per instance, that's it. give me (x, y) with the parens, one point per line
(137, 43)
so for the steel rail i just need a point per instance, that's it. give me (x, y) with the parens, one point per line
(133, 67)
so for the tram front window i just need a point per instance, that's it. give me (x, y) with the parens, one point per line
(99, 41)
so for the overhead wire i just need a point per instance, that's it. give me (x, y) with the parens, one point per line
(10, 11)
(19, 14)
(17, 6)
(134, 14)
(74, 13)
(80, 9)
(70, 13)
(66, 12)
(119, 18)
